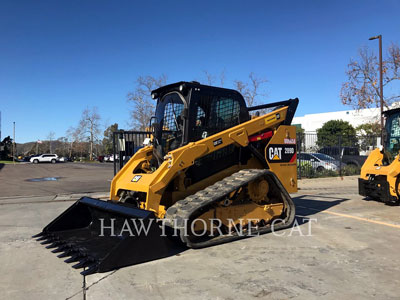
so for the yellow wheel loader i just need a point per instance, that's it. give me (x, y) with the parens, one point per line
(215, 171)
(380, 174)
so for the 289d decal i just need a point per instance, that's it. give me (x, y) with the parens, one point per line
(281, 153)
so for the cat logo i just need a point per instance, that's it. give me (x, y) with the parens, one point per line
(275, 153)
(281, 153)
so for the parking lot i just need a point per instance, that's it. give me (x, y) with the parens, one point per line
(343, 247)
(26, 179)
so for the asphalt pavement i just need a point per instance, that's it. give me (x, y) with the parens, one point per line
(26, 179)
(343, 247)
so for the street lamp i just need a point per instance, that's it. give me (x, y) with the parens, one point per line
(13, 145)
(380, 79)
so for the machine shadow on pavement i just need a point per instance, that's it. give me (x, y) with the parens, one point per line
(306, 206)
(368, 199)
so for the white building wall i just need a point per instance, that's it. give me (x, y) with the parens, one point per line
(311, 122)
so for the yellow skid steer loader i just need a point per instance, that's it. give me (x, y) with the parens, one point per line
(380, 174)
(215, 171)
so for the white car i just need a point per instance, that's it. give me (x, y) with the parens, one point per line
(110, 158)
(53, 158)
(319, 161)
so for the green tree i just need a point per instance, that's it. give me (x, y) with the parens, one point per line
(6, 148)
(368, 134)
(329, 133)
(108, 138)
(369, 129)
(300, 137)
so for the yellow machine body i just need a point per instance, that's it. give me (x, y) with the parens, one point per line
(212, 159)
(379, 178)
(153, 183)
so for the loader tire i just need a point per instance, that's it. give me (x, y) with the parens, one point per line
(396, 187)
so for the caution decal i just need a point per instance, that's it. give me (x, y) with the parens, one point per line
(281, 153)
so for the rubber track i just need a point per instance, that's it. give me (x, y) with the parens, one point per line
(184, 209)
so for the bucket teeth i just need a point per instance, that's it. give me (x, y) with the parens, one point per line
(83, 263)
(38, 235)
(53, 245)
(43, 237)
(48, 241)
(60, 249)
(76, 237)
(66, 253)
(90, 270)
(73, 258)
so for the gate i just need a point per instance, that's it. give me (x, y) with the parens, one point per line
(125, 145)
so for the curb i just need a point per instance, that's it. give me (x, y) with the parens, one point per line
(66, 197)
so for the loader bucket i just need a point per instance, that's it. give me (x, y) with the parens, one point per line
(101, 236)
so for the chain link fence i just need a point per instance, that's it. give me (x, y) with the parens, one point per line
(341, 155)
(317, 156)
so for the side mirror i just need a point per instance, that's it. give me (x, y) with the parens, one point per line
(385, 137)
(153, 123)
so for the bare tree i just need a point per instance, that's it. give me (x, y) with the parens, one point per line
(361, 89)
(62, 146)
(252, 89)
(143, 105)
(89, 125)
(222, 78)
(74, 137)
(50, 138)
(209, 77)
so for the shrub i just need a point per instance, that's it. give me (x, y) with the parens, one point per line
(305, 169)
(349, 170)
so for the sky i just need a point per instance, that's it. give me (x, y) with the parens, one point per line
(59, 57)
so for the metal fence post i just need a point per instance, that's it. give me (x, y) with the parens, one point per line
(115, 165)
(340, 155)
(298, 162)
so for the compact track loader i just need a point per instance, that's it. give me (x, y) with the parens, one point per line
(380, 174)
(212, 174)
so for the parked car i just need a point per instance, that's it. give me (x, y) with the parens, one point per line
(53, 158)
(349, 155)
(318, 161)
(28, 158)
(110, 158)
(63, 159)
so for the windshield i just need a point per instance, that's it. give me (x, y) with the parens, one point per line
(393, 134)
(323, 156)
(170, 122)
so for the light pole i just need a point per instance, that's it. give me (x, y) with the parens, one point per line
(14, 144)
(380, 79)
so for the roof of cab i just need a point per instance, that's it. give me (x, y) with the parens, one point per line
(175, 87)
